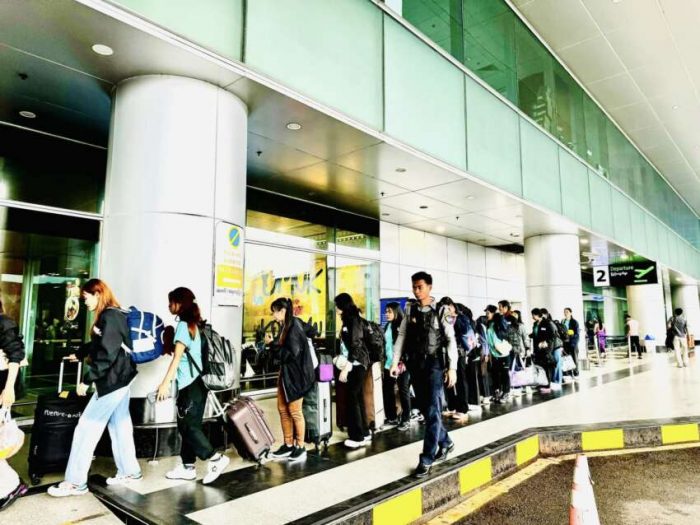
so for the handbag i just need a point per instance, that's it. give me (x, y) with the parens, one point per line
(11, 437)
(567, 363)
(520, 376)
(502, 348)
(540, 376)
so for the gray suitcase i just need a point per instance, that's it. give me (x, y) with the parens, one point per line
(318, 413)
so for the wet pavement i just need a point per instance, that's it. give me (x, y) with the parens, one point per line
(649, 488)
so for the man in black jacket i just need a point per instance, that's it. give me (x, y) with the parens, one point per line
(543, 343)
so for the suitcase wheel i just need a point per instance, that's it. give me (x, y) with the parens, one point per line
(34, 478)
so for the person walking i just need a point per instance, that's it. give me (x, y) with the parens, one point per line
(571, 345)
(632, 332)
(12, 357)
(296, 378)
(355, 371)
(185, 368)
(678, 325)
(394, 315)
(424, 335)
(111, 370)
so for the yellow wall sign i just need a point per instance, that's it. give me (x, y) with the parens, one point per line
(228, 265)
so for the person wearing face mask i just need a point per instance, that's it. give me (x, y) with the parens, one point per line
(111, 370)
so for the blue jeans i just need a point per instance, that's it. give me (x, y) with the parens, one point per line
(558, 372)
(112, 411)
(428, 379)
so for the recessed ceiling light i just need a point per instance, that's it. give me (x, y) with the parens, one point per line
(423, 207)
(27, 114)
(584, 267)
(675, 106)
(400, 170)
(103, 50)
(293, 126)
(584, 241)
(624, 256)
(385, 214)
(440, 229)
(679, 280)
(470, 197)
(515, 235)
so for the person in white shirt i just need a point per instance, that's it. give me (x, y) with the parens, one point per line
(632, 332)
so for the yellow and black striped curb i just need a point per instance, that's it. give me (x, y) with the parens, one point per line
(414, 501)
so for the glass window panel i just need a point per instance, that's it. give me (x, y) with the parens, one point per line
(440, 20)
(596, 140)
(265, 227)
(568, 116)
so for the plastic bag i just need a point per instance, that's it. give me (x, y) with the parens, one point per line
(11, 437)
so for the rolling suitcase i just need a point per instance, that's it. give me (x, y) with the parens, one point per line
(374, 397)
(251, 435)
(55, 419)
(317, 414)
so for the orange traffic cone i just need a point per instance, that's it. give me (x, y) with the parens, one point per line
(583, 510)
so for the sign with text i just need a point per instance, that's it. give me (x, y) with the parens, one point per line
(228, 269)
(625, 274)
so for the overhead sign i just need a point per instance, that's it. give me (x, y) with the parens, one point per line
(625, 274)
(228, 269)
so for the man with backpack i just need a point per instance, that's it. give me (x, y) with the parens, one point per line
(424, 335)
(678, 326)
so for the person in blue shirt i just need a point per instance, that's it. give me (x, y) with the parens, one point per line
(192, 394)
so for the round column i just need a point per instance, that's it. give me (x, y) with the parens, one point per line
(685, 296)
(553, 276)
(645, 303)
(176, 167)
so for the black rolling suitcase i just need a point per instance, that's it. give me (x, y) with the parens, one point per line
(318, 414)
(55, 419)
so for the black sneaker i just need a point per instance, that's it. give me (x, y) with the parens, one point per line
(405, 425)
(298, 454)
(283, 452)
(422, 471)
(443, 452)
(13, 496)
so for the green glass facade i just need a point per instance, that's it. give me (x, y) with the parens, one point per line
(491, 40)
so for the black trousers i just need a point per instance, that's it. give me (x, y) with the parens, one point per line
(389, 394)
(572, 350)
(357, 417)
(500, 368)
(635, 346)
(191, 401)
(473, 365)
(458, 395)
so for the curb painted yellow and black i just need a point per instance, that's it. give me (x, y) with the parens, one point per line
(414, 501)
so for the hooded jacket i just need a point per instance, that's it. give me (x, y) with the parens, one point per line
(109, 366)
(297, 369)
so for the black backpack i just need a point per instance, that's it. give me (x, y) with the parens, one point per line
(562, 332)
(218, 360)
(373, 337)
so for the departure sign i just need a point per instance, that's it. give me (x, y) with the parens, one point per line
(625, 274)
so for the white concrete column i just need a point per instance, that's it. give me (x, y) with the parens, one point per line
(176, 166)
(645, 303)
(685, 296)
(553, 276)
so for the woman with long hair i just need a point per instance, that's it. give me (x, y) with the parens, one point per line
(458, 396)
(186, 368)
(394, 316)
(296, 378)
(111, 370)
(355, 371)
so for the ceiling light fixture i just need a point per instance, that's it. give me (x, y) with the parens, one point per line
(400, 170)
(679, 280)
(584, 241)
(675, 106)
(624, 256)
(515, 235)
(470, 197)
(584, 267)
(440, 229)
(27, 114)
(103, 50)
(385, 214)
(423, 207)
(293, 126)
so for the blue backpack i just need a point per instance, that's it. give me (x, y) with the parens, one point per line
(146, 332)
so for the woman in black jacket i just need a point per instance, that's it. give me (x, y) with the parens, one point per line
(11, 359)
(111, 370)
(355, 371)
(296, 378)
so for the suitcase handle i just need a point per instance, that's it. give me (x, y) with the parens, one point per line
(325, 412)
(61, 370)
(252, 433)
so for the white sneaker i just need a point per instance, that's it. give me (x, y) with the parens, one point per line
(64, 489)
(568, 379)
(182, 472)
(555, 386)
(516, 392)
(528, 390)
(368, 438)
(124, 480)
(485, 400)
(354, 444)
(215, 468)
(475, 408)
